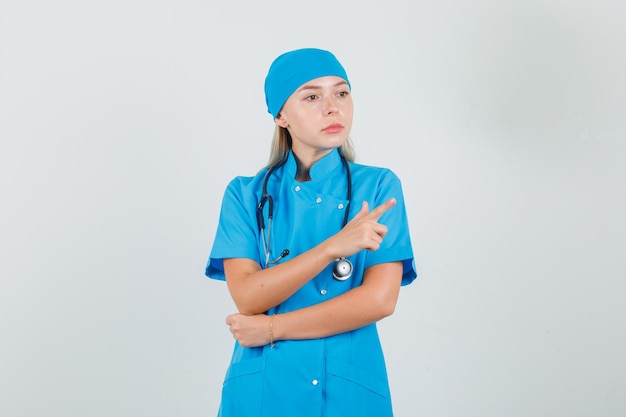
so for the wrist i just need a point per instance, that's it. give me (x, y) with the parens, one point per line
(278, 327)
(271, 333)
(327, 250)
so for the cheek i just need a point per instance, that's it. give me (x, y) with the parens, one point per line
(348, 113)
(348, 108)
(302, 120)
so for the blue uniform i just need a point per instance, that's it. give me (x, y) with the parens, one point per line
(337, 376)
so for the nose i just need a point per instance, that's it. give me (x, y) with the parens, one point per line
(330, 106)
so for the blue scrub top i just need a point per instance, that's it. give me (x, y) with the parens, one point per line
(341, 375)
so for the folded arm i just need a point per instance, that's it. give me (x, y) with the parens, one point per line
(255, 290)
(370, 302)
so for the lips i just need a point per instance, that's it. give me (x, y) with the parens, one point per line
(333, 128)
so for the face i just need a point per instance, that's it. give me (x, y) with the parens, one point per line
(318, 116)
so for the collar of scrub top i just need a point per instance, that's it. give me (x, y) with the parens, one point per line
(318, 172)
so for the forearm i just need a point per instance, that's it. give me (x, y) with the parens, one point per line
(256, 290)
(375, 299)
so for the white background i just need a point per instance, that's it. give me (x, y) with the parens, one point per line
(121, 122)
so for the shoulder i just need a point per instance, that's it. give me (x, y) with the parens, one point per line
(376, 183)
(242, 192)
(373, 174)
(245, 185)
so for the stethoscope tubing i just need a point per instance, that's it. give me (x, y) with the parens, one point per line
(342, 268)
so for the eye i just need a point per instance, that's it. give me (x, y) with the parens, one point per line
(344, 93)
(311, 97)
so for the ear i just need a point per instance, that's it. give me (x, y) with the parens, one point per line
(281, 121)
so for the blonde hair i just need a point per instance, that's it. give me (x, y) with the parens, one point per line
(281, 145)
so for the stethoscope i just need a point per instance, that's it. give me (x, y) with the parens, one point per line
(342, 268)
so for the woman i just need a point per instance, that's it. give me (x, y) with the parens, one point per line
(311, 268)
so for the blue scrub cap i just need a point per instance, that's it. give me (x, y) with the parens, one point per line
(292, 69)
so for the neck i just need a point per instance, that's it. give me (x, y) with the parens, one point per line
(305, 161)
(303, 171)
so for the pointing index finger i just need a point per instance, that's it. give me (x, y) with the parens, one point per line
(381, 209)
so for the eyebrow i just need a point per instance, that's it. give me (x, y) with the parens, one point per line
(317, 87)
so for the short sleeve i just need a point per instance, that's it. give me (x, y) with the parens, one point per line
(236, 233)
(396, 245)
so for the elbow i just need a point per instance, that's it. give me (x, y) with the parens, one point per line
(385, 306)
(250, 311)
(387, 309)
(246, 302)
(381, 302)
(248, 307)
(383, 285)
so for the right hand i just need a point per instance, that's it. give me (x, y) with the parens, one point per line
(250, 331)
(362, 232)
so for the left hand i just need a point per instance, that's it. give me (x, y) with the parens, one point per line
(250, 331)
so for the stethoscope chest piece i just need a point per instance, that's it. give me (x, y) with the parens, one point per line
(342, 269)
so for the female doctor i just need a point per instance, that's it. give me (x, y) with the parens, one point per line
(314, 250)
